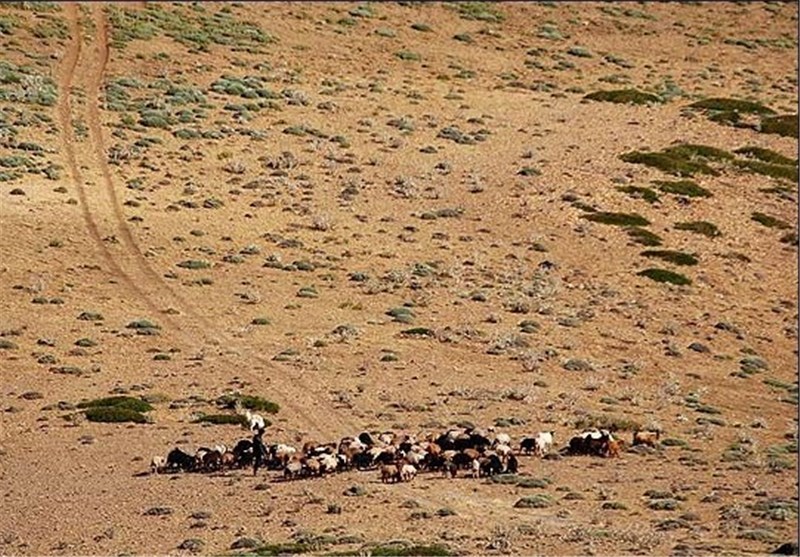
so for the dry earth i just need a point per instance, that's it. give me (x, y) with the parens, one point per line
(381, 155)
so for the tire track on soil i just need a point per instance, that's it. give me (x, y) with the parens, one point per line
(142, 282)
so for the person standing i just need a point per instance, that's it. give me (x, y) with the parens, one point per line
(259, 451)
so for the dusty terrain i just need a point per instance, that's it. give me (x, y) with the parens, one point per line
(441, 157)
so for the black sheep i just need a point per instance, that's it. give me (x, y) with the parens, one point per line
(179, 460)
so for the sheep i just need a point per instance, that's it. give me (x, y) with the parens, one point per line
(211, 460)
(293, 469)
(528, 445)
(389, 473)
(158, 465)
(649, 438)
(503, 450)
(407, 472)
(512, 464)
(243, 453)
(312, 467)
(614, 447)
(228, 460)
(255, 422)
(179, 460)
(502, 439)
(476, 468)
(544, 440)
(328, 463)
(283, 453)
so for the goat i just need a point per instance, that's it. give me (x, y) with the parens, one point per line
(407, 472)
(389, 473)
(649, 438)
(179, 460)
(544, 440)
(158, 464)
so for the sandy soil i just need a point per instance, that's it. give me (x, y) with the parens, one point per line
(377, 210)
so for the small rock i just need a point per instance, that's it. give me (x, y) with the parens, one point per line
(193, 545)
(698, 347)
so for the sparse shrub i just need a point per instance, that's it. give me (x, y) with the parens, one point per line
(663, 504)
(538, 501)
(114, 414)
(408, 55)
(732, 105)
(689, 188)
(662, 275)
(785, 125)
(639, 192)
(194, 264)
(769, 221)
(676, 257)
(624, 96)
(250, 402)
(643, 236)
(225, 419)
(90, 316)
(765, 155)
(786, 172)
(617, 219)
(481, 11)
(669, 163)
(125, 402)
(699, 227)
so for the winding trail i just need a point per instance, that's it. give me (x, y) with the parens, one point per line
(105, 218)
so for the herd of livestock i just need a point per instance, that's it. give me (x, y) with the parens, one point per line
(397, 457)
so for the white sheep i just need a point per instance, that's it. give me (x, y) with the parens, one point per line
(407, 472)
(255, 421)
(158, 464)
(502, 439)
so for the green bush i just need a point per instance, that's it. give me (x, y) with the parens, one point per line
(393, 549)
(694, 151)
(538, 501)
(769, 221)
(114, 414)
(676, 257)
(689, 188)
(785, 125)
(124, 402)
(481, 11)
(624, 96)
(250, 402)
(699, 227)
(669, 163)
(606, 421)
(732, 105)
(647, 194)
(617, 219)
(225, 419)
(662, 275)
(194, 264)
(643, 236)
(765, 155)
(788, 172)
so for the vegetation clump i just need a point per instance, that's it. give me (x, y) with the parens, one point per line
(624, 96)
(705, 228)
(250, 402)
(639, 192)
(643, 236)
(662, 275)
(617, 219)
(224, 419)
(688, 188)
(769, 221)
(669, 163)
(785, 125)
(671, 256)
(787, 172)
(116, 409)
(765, 155)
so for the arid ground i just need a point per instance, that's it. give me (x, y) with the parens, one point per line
(400, 216)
